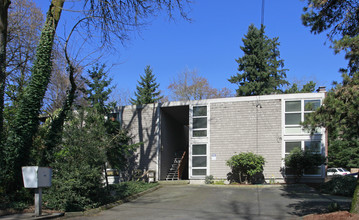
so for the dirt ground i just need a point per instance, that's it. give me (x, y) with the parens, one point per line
(342, 215)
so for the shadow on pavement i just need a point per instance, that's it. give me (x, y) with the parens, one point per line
(307, 200)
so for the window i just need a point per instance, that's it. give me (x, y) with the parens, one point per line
(199, 121)
(312, 146)
(289, 147)
(315, 148)
(199, 159)
(295, 112)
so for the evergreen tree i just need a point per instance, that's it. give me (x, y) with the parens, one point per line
(147, 89)
(339, 114)
(98, 89)
(306, 88)
(339, 20)
(261, 69)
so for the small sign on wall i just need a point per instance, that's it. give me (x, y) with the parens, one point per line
(214, 157)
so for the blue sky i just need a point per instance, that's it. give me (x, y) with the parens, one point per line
(211, 43)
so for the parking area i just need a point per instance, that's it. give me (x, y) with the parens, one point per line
(223, 202)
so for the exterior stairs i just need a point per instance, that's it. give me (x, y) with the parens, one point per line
(173, 172)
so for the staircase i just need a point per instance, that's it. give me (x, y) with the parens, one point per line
(173, 173)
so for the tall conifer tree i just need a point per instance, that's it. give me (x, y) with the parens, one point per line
(99, 89)
(147, 89)
(260, 68)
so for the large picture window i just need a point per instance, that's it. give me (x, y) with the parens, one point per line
(295, 112)
(199, 121)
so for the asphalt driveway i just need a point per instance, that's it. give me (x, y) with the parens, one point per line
(223, 202)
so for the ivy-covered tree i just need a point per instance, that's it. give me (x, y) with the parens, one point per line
(20, 137)
(4, 6)
(114, 19)
(260, 68)
(147, 89)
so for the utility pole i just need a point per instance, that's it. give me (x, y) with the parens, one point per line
(262, 14)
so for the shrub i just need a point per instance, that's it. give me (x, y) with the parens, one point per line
(77, 169)
(340, 185)
(244, 166)
(209, 179)
(299, 160)
(125, 189)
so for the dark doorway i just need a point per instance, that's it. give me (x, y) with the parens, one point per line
(174, 138)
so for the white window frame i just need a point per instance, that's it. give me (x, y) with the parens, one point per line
(195, 117)
(316, 138)
(302, 113)
(191, 168)
(199, 140)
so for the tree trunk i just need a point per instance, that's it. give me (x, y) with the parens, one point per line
(53, 137)
(26, 121)
(4, 6)
(355, 203)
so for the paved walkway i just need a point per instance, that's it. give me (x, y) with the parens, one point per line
(222, 202)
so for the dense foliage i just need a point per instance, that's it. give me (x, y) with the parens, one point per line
(77, 169)
(298, 161)
(260, 68)
(147, 89)
(26, 120)
(339, 19)
(109, 20)
(306, 88)
(89, 140)
(340, 115)
(340, 185)
(245, 165)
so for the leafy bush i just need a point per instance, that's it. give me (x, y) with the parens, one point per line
(209, 179)
(245, 166)
(126, 189)
(17, 200)
(299, 160)
(333, 207)
(340, 185)
(77, 169)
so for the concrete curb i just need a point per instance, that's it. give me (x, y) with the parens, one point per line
(110, 205)
(31, 216)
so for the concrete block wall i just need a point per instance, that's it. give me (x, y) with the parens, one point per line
(245, 126)
(143, 125)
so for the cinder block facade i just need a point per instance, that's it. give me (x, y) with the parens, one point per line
(246, 127)
(213, 130)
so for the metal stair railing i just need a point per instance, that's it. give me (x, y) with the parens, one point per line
(182, 165)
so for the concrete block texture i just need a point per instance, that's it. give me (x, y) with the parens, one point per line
(250, 126)
(142, 123)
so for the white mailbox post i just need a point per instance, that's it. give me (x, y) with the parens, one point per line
(37, 177)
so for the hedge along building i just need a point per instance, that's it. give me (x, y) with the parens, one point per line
(211, 131)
